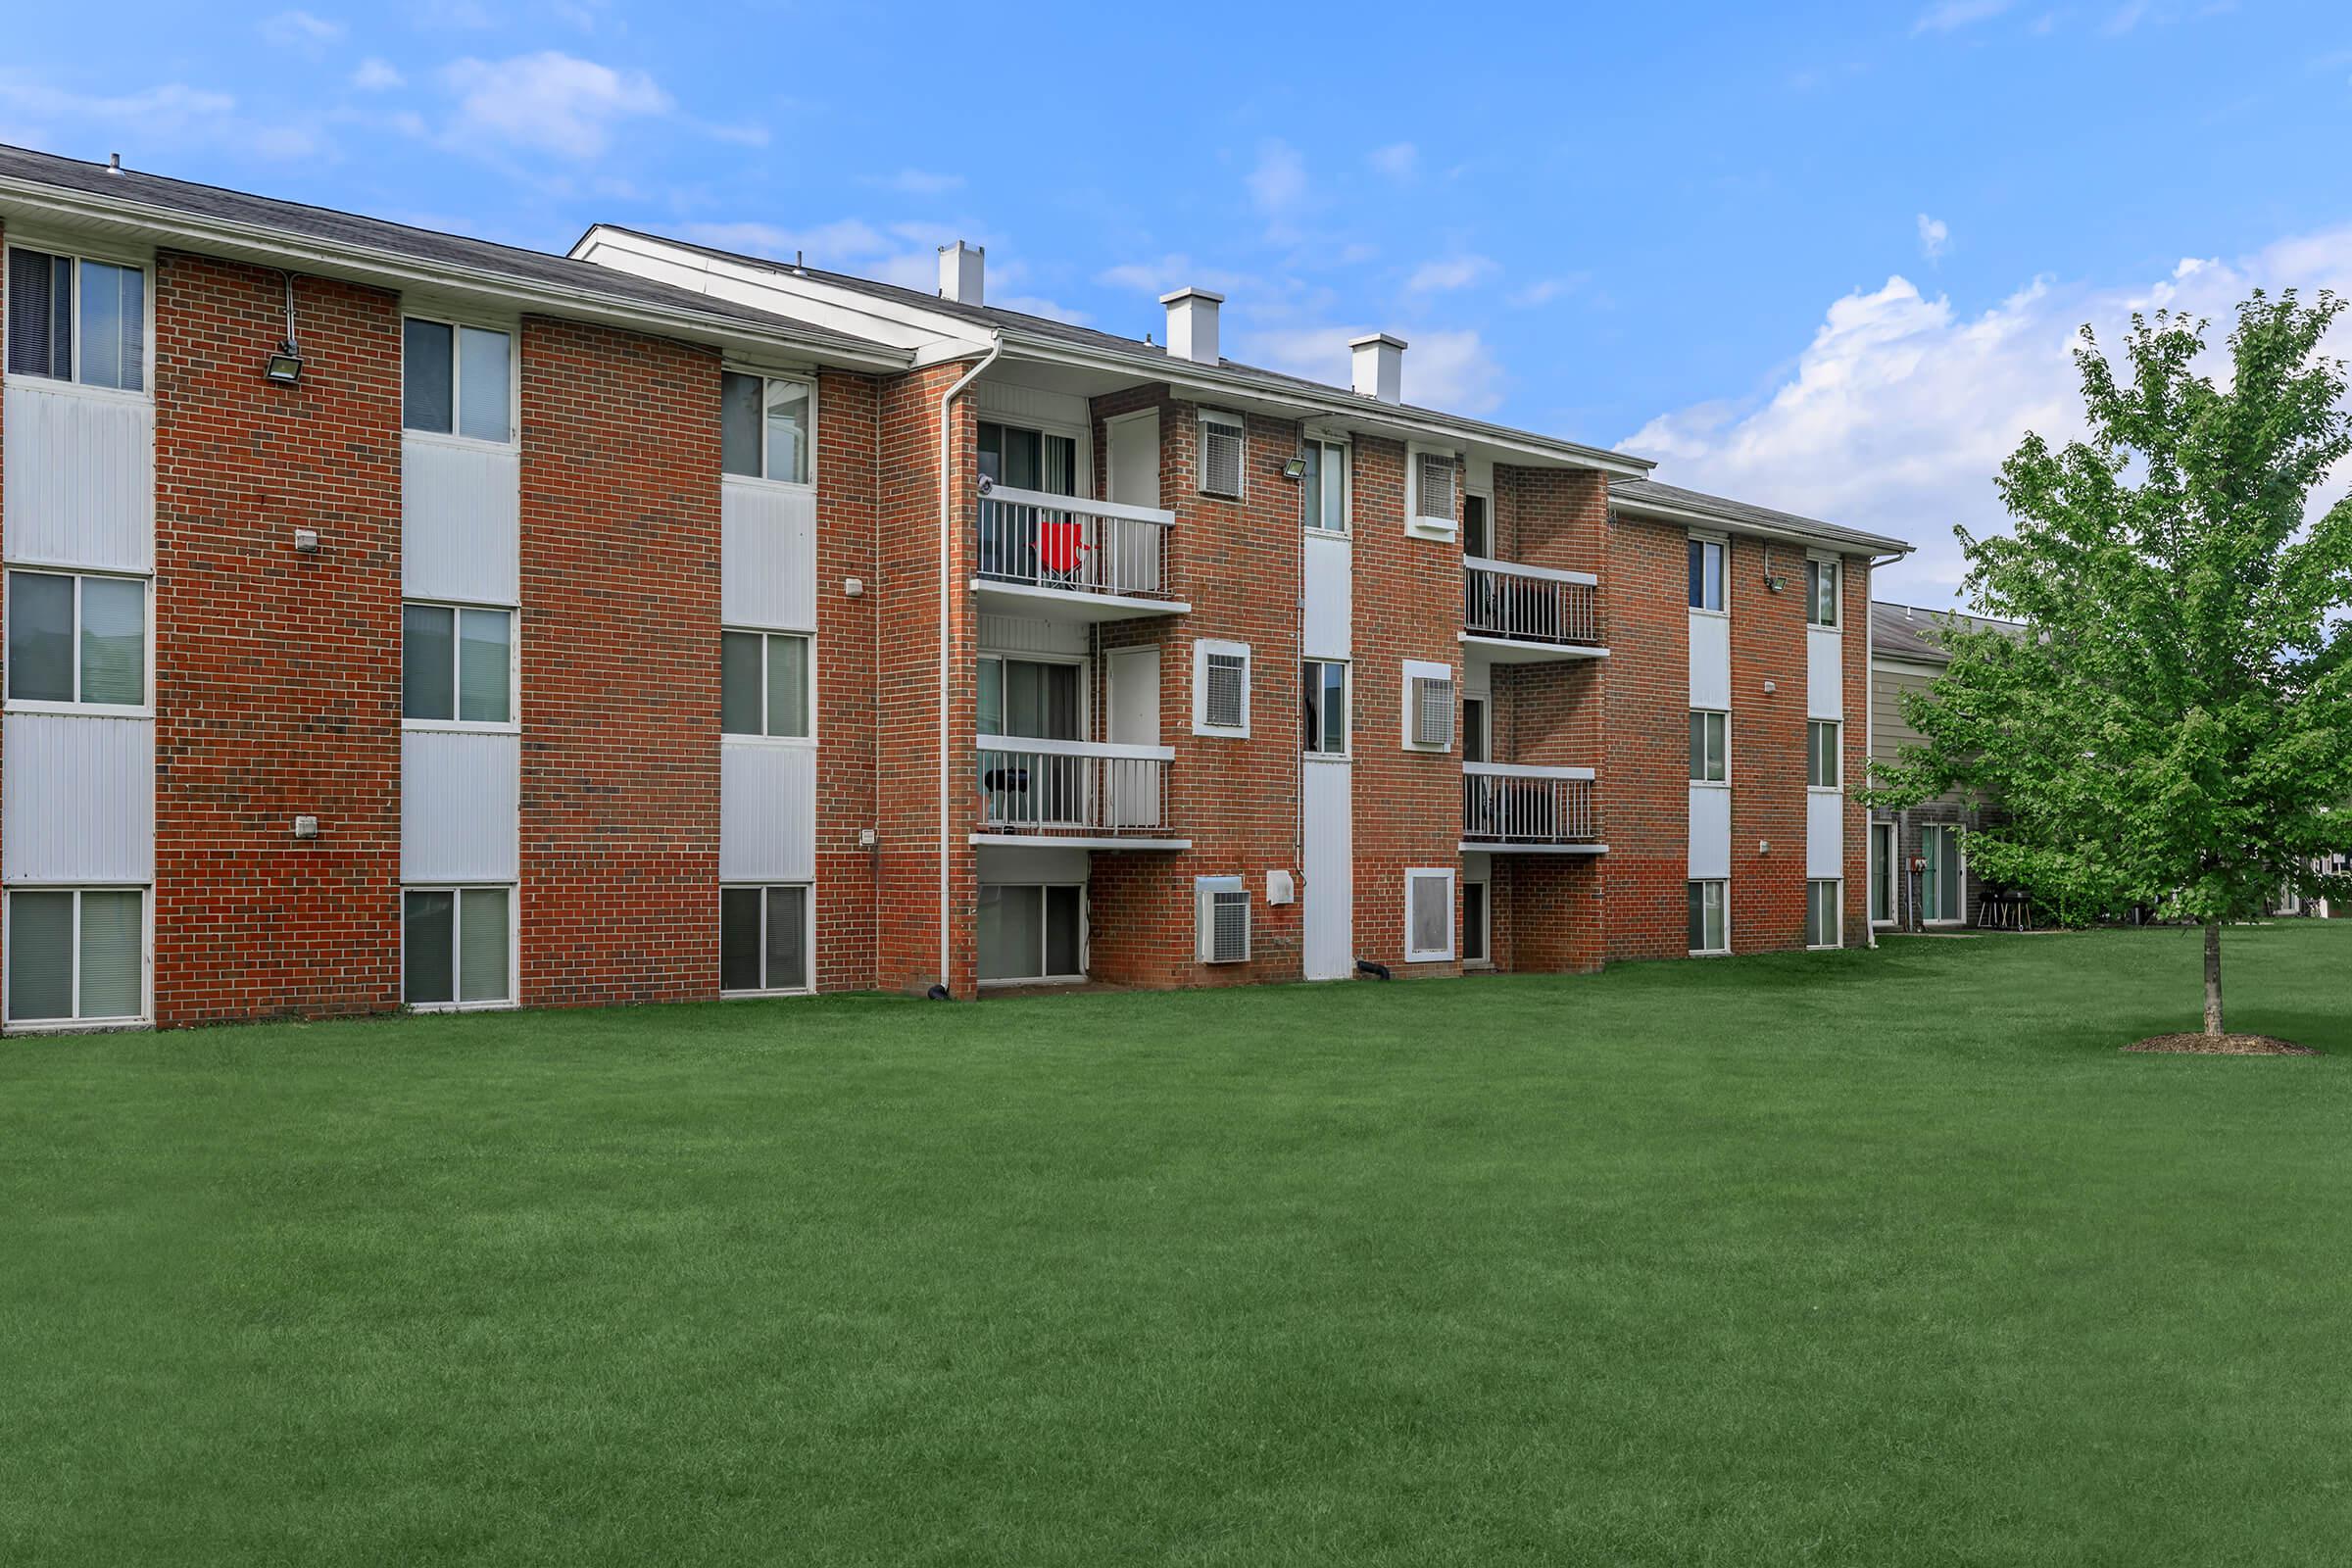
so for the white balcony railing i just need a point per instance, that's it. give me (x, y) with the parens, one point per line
(1528, 604)
(1087, 547)
(1072, 787)
(1507, 804)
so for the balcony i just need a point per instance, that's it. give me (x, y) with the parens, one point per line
(1074, 794)
(1531, 810)
(1528, 615)
(1070, 559)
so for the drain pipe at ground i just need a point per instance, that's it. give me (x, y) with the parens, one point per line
(947, 450)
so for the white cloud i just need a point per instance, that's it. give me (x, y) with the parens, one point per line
(1397, 161)
(551, 101)
(1935, 237)
(299, 29)
(1901, 409)
(1036, 305)
(172, 104)
(919, 183)
(377, 75)
(173, 112)
(1950, 15)
(1164, 274)
(1451, 273)
(1543, 290)
(1443, 370)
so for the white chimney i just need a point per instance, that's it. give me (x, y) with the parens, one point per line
(1379, 367)
(1193, 325)
(963, 272)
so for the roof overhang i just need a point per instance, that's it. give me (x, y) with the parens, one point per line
(1842, 539)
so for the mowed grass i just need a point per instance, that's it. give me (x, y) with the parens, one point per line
(1871, 1258)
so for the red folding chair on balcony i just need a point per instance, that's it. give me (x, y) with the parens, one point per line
(1061, 549)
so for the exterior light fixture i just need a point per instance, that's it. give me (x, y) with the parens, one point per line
(284, 367)
(1295, 469)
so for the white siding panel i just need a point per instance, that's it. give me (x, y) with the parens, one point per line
(460, 528)
(1710, 833)
(1710, 662)
(1033, 404)
(768, 556)
(1825, 834)
(1330, 597)
(81, 480)
(1825, 673)
(458, 801)
(766, 813)
(1023, 634)
(78, 799)
(1328, 869)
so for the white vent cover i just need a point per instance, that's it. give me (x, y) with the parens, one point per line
(1280, 888)
(1433, 499)
(1222, 438)
(1428, 915)
(1222, 707)
(1433, 712)
(1224, 919)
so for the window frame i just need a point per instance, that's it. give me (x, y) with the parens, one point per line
(1882, 866)
(145, 1016)
(1484, 925)
(1724, 903)
(1324, 445)
(1413, 954)
(764, 633)
(1722, 545)
(1417, 671)
(144, 709)
(457, 323)
(1432, 528)
(78, 252)
(1203, 418)
(457, 945)
(764, 477)
(807, 892)
(1044, 937)
(1814, 563)
(1203, 648)
(1083, 664)
(1724, 781)
(1837, 934)
(1814, 756)
(1959, 874)
(511, 724)
(1346, 750)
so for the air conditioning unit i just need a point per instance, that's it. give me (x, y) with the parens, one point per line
(1223, 440)
(1433, 712)
(1433, 492)
(1223, 917)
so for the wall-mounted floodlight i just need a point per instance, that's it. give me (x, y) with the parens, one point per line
(1295, 469)
(284, 367)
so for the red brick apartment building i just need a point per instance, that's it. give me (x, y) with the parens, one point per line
(396, 619)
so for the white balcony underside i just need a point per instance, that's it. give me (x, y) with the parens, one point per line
(1511, 650)
(1505, 846)
(1070, 841)
(1069, 605)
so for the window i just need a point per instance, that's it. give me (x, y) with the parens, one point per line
(1427, 705)
(1477, 945)
(77, 956)
(1030, 698)
(1028, 460)
(1221, 915)
(456, 946)
(1824, 920)
(456, 380)
(1325, 684)
(1706, 573)
(763, 427)
(1223, 440)
(1428, 915)
(1478, 541)
(1710, 747)
(1881, 872)
(1323, 494)
(457, 664)
(1220, 688)
(1478, 742)
(1432, 503)
(1821, 753)
(70, 319)
(1709, 926)
(764, 940)
(76, 639)
(764, 684)
(1821, 591)
(1031, 932)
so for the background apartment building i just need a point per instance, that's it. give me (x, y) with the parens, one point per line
(394, 618)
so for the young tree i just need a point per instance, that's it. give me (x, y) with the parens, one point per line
(2173, 727)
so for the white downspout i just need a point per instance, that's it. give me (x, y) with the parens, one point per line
(1870, 738)
(947, 447)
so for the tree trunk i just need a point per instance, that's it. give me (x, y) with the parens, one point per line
(2212, 977)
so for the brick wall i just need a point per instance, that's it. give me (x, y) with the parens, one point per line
(1645, 782)
(1768, 747)
(618, 651)
(848, 708)
(278, 674)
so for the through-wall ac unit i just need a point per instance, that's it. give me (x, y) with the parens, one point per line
(1223, 919)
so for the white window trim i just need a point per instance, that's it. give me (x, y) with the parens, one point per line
(1085, 954)
(1836, 625)
(1838, 907)
(734, 738)
(80, 250)
(761, 481)
(1723, 542)
(1346, 699)
(77, 708)
(1413, 954)
(1203, 648)
(1425, 670)
(1725, 782)
(1415, 523)
(512, 725)
(457, 392)
(1838, 753)
(1725, 883)
(1959, 853)
(457, 943)
(807, 945)
(1345, 447)
(1203, 417)
(1884, 871)
(73, 1026)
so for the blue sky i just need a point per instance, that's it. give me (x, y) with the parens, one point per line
(1823, 256)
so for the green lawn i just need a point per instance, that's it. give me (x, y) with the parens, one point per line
(1883, 1258)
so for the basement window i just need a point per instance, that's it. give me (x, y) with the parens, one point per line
(766, 941)
(456, 947)
(77, 956)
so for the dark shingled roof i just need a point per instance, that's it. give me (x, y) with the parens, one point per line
(1906, 631)
(400, 241)
(1734, 512)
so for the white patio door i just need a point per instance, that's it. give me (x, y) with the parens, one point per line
(1135, 794)
(1329, 866)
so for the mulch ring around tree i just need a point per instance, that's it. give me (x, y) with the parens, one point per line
(2202, 1044)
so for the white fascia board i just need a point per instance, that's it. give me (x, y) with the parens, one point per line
(1709, 523)
(173, 228)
